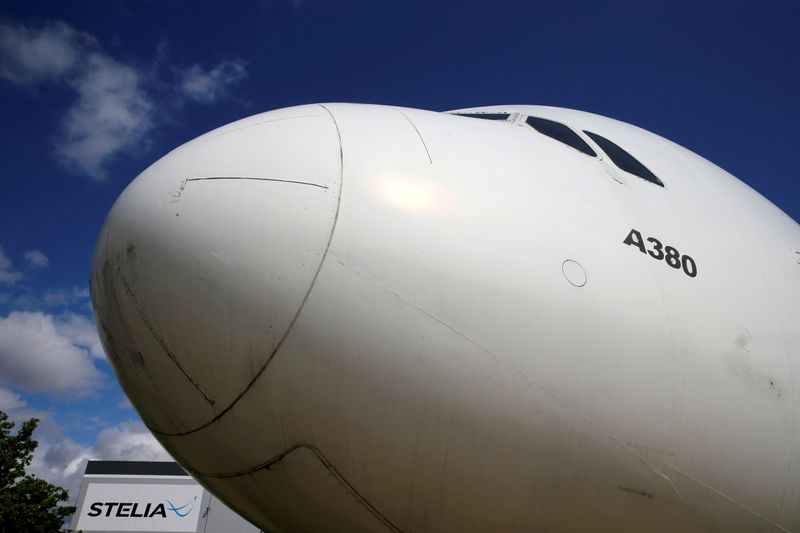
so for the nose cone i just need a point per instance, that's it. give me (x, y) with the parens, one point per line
(206, 258)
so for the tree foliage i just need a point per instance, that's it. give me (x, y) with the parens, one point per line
(27, 503)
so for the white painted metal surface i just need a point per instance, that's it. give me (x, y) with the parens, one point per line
(387, 319)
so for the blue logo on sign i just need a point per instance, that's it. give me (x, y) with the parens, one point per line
(180, 510)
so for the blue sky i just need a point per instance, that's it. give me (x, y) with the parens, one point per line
(93, 92)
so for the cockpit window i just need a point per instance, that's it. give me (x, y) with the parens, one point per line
(623, 159)
(560, 132)
(485, 116)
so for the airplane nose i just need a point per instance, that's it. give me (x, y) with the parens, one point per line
(206, 258)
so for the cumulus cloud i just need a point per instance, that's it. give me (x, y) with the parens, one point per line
(112, 113)
(207, 86)
(64, 297)
(10, 400)
(130, 441)
(18, 411)
(82, 332)
(29, 299)
(116, 103)
(29, 56)
(7, 275)
(125, 404)
(64, 462)
(39, 353)
(36, 259)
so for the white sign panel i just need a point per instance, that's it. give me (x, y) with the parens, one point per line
(140, 507)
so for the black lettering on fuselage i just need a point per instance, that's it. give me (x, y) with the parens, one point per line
(634, 238)
(668, 254)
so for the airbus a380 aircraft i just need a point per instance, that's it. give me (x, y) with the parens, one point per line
(515, 318)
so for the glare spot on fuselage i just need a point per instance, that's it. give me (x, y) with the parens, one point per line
(413, 196)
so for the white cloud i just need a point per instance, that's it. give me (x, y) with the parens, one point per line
(18, 412)
(63, 463)
(82, 332)
(207, 86)
(29, 56)
(10, 400)
(7, 275)
(64, 297)
(125, 404)
(130, 441)
(36, 259)
(113, 113)
(27, 299)
(41, 354)
(117, 103)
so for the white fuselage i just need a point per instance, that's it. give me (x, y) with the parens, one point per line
(350, 317)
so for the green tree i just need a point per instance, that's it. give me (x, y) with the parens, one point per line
(27, 503)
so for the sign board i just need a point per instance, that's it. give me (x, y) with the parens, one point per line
(140, 507)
